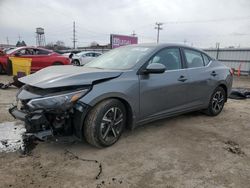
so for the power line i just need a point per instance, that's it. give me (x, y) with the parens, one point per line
(158, 27)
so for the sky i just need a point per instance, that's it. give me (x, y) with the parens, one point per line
(199, 23)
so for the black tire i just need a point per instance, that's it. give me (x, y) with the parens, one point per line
(216, 102)
(1, 69)
(102, 128)
(76, 62)
(9, 69)
(57, 63)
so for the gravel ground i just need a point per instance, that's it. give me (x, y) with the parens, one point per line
(191, 150)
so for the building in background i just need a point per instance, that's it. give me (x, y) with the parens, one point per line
(236, 58)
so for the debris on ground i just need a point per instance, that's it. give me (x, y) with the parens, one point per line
(239, 93)
(73, 156)
(233, 147)
(29, 143)
(5, 86)
(113, 181)
(15, 83)
(11, 136)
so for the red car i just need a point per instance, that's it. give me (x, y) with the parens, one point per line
(41, 58)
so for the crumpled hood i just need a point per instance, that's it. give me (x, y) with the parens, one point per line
(67, 75)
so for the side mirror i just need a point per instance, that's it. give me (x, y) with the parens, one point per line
(155, 68)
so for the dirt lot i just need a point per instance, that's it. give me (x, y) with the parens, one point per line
(191, 150)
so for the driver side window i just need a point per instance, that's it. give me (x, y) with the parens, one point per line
(24, 52)
(21, 52)
(169, 57)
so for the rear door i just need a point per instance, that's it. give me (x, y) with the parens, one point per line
(166, 92)
(87, 57)
(202, 81)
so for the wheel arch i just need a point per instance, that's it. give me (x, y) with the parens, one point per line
(225, 89)
(129, 122)
(127, 105)
(80, 118)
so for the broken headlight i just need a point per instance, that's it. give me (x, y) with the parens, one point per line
(64, 101)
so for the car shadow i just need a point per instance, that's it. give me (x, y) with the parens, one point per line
(73, 143)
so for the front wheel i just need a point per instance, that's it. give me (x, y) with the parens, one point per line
(1, 69)
(105, 123)
(217, 102)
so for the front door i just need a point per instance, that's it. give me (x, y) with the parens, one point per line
(166, 92)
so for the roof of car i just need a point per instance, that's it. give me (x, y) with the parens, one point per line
(163, 45)
(83, 52)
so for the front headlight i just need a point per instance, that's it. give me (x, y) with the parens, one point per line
(64, 101)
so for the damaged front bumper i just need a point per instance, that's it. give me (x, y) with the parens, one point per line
(51, 112)
(43, 124)
(36, 123)
(18, 114)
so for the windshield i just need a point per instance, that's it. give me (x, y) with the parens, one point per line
(120, 58)
(11, 51)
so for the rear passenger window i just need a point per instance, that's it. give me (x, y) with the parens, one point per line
(194, 58)
(96, 55)
(42, 52)
(89, 54)
(206, 59)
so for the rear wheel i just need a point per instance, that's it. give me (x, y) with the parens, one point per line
(217, 102)
(105, 123)
(76, 62)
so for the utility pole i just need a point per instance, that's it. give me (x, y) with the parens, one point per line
(133, 34)
(19, 37)
(158, 27)
(217, 46)
(7, 40)
(74, 35)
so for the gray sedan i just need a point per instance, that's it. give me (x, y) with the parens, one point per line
(124, 88)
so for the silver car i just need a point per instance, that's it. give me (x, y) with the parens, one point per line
(124, 88)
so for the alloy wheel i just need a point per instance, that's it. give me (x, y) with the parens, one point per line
(217, 101)
(112, 124)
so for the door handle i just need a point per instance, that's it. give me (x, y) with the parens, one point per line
(213, 73)
(182, 79)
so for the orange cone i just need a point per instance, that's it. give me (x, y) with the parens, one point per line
(239, 70)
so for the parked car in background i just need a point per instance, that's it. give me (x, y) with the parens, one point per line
(82, 58)
(125, 87)
(41, 58)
